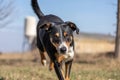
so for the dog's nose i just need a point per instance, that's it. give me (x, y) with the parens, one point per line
(63, 49)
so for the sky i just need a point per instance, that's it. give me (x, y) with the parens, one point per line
(92, 16)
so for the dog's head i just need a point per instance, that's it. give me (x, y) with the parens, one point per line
(61, 35)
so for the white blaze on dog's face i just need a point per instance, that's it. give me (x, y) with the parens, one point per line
(62, 39)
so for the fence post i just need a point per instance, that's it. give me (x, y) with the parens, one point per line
(117, 43)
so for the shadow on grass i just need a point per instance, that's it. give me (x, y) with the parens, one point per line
(87, 62)
(93, 58)
(1, 78)
(15, 61)
(107, 54)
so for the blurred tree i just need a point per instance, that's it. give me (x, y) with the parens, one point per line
(6, 9)
(117, 47)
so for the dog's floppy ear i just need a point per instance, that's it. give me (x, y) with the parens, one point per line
(47, 26)
(73, 26)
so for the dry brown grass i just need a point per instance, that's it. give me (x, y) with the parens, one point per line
(93, 46)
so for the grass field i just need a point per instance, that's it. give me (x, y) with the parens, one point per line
(97, 66)
(93, 68)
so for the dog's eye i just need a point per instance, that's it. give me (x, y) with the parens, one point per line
(56, 40)
(68, 39)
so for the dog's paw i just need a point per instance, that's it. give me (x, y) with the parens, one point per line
(44, 62)
(51, 66)
(67, 78)
(50, 69)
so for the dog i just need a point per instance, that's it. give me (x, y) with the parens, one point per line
(55, 37)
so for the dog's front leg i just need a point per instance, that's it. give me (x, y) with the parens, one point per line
(59, 59)
(68, 69)
(51, 65)
(62, 71)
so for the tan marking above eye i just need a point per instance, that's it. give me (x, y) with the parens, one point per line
(57, 34)
(65, 33)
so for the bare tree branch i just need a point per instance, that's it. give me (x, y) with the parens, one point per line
(6, 10)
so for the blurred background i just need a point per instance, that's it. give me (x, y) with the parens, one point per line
(95, 45)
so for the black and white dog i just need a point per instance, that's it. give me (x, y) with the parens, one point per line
(56, 38)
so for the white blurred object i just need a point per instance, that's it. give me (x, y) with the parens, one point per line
(30, 30)
(30, 26)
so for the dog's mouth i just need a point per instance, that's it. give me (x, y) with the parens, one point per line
(65, 56)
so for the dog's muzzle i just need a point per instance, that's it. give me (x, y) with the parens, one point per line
(63, 50)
